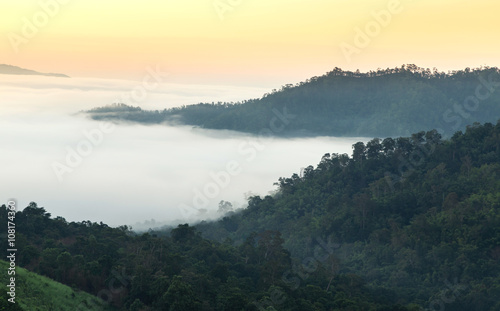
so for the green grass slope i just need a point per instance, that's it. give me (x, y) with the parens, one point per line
(38, 293)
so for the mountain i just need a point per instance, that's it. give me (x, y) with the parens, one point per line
(13, 70)
(390, 102)
(417, 216)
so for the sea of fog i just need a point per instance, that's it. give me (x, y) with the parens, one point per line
(131, 174)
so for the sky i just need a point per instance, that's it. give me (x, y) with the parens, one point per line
(265, 43)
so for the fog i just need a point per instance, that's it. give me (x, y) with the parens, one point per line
(82, 169)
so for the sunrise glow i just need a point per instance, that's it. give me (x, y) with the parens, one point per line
(245, 42)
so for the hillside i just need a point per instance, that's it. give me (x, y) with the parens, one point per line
(35, 292)
(181, 271)
(417, 216)
(391, 102)
(14, 70)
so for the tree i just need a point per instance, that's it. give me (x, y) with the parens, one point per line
(225, 207)
(388, 145)
(433, 137)
(28, 254)
(179, 297)
(404, 146)
(363, 205)
(418, 138)
(64, 263)
(274, 257)
(183, 233)
(137, 305)
(373, 148)
(358, 153)
(332, 263)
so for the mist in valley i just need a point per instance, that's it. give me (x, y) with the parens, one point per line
(144, 176)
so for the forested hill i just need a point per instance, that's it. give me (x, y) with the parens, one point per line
(419, 216)
(181, 272)
(391, 102)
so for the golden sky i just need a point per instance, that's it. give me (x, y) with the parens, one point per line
(252, 42)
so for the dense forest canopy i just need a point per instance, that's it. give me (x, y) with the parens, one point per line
(418, 216)
(390, 102)
(402, 224)
(182, 271)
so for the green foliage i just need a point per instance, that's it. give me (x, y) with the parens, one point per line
(179, 297)
(417, 216)
(180, 271)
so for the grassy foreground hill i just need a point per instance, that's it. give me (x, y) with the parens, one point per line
(38, 293)
(390, 102)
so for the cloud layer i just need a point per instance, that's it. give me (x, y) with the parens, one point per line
(123, 174)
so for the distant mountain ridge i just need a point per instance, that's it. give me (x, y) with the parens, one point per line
(382, 103)
(14, 70)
